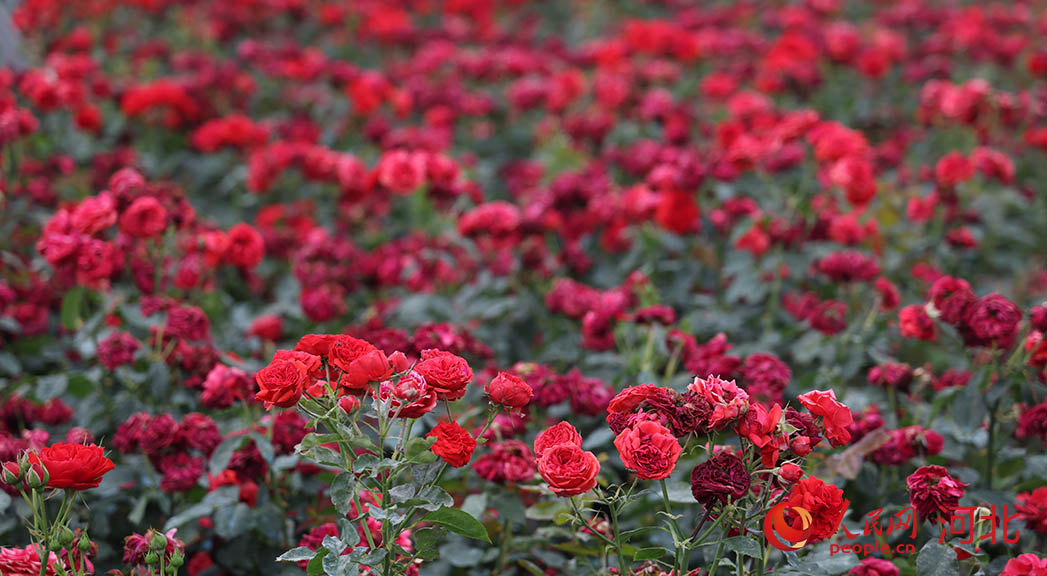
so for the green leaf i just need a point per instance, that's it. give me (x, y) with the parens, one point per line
(71, 304)
(744, 545)
(402, 493)
(265, 447)
(316, 565)
(937, 560)
(415, 447)
(49, 387)
(342, 490)
(644, 554)
(232, 521)
(458, 522)
(425, 540)
(297, 555)
(223, 454)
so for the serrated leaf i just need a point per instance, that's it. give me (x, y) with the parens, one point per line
(458, 522)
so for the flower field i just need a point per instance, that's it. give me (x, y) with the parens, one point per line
(666, 288)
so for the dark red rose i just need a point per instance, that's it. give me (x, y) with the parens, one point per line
(720, 479)
(991, 321)
(934, 493)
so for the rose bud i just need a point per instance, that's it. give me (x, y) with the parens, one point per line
(11, 474)
(36, 477)
(790, 473)
(801, 446)
(399, 362)
(349, 404)
(509, 390)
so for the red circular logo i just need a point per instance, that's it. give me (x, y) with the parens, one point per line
(780, 533)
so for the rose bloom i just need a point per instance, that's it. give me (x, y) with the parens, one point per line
(835, 416)
(453, 444)
(991, 321)
(719, 479)
(281, 383)
(144, 218)
(951, 297)
(727, 400)
(374, 366)
(562, 433)
(508, 462)
(1025, 565)
(1032, 509)
(408, 397)
(342, 350)
(824, 501)
(934, 493)
(509, 390)
(569, 470)
(649, 449)
(73, 466)
(446, 373)
(24, 562)
(1032, 423)
(913, 322)
(874, 567)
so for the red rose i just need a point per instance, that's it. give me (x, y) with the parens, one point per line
(562, 433)
(720, 479)
(509, 390)
(245, 247)
(281, 383)
(371, 367)
(401, 172)
(913, 322)
(408, 397)
(991, 321)
(568, 469)
(825, 503)
(950, 298)
(649, 449)
(677, 212)
(453, 444)
(73, 466)
(835, 416)
(934, 493)
(446, 373)
(346, 349)
(144, 218)
(318, 344)
(314, 365)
